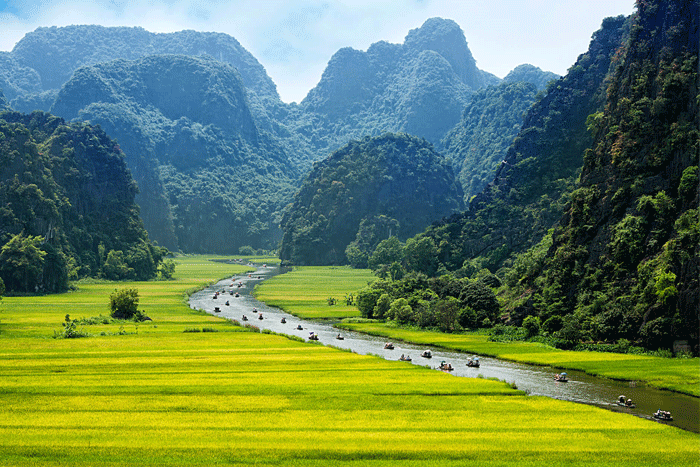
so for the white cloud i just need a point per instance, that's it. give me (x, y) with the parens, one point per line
(294, 40)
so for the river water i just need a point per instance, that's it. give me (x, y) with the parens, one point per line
(534, 380)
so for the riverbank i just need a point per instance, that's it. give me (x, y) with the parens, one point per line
(680, 375)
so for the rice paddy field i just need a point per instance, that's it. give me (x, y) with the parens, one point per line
(305, 291)
(163, 394)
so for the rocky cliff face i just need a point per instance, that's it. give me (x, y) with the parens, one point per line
(625, 260)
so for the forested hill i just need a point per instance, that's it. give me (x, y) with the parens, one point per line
(68, 206)
(52, 54)
(479, 142)
(539, 170)
(369, 190)
(210, 179)
(3, 102)
(418, 87)
(625, 261)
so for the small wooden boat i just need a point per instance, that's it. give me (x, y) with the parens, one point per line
(245, 318)
(283, 321)
(299, 328)
(227, 304)
(407, 358)
(427, 354)
(313, 337)
(625, 404)
(260, 316)
(561, 378)
(663, 416)
(217, 309)
(446, 366)
(473, 362)
(237, 295)
(339, 337)
(389, 346)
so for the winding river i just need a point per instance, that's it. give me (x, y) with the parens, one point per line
(534, 380)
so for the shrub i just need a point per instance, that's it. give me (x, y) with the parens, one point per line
(123, 303)
(531, 324)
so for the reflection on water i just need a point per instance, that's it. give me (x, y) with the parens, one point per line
(535, 380)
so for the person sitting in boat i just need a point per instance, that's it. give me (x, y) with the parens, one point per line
(621, 399)
(629, 403)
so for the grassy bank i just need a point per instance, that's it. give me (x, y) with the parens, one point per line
(681, 375)
(305, 291)
(156, 395)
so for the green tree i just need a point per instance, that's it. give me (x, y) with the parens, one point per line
(22, 263)
(480, 298)
(115, 267)
(166, 269)
(123, 303)
(421, 255)
(387, 252)
(531, 324)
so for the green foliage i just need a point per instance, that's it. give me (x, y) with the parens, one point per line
(166, 269)
(70, 330)
(367, 301)
(123, 303)
(688, 186)
(69, 186)
(246, 250)
(531, 324)
(420, 254)
(22, 263)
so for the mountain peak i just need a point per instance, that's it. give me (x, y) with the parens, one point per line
(445, 37)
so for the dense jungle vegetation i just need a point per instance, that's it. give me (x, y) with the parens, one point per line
(622, 263)
(394, 184)
(67, 207)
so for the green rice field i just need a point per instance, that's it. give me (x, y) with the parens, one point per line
(154, 394)
(305, 291)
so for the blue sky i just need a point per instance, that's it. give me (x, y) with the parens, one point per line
(295, 39)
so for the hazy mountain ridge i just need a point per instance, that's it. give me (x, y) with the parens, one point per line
(531, 74)
(479, 142)
(188, 119)
(55, 53)
(171, 136)
(419, 87)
